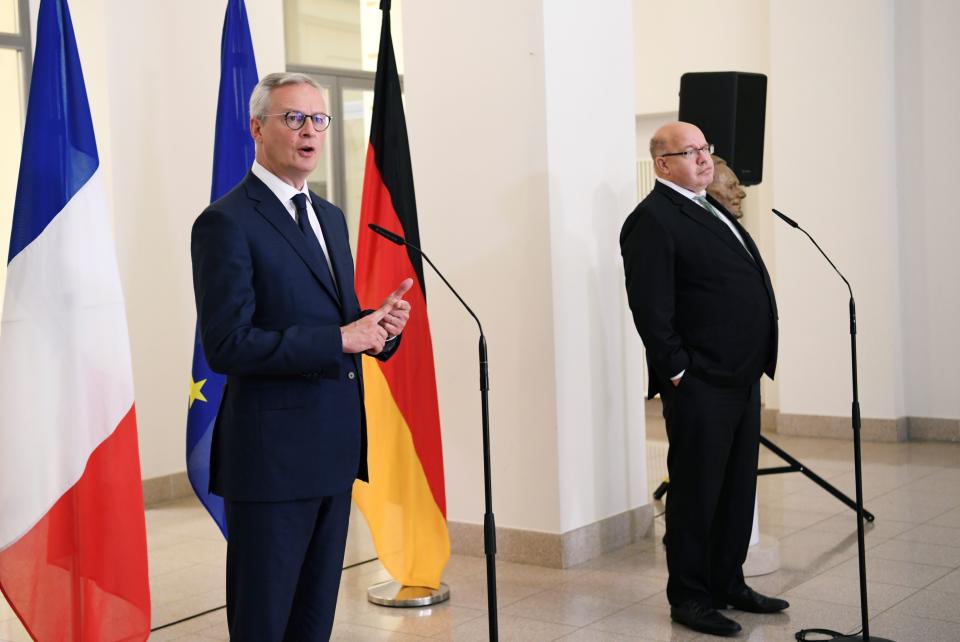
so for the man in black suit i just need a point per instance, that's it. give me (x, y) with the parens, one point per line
(278, 314)
(704, 306)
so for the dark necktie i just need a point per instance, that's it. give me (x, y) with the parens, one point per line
(303, 220)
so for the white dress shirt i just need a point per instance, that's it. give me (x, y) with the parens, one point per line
(285, 193)
(685, 192)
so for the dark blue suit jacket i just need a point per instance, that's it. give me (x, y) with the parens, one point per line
(291, 423)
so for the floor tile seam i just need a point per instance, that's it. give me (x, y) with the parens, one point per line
(826, 519)
(895, 540)
(933, 581)
(622, 607)
(929, 521)
(401, 629)
(377, 628)
(913, 590)
(917, 541)
(895, 605)
(501, 606)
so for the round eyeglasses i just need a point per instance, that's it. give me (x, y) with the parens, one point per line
(693, 151)
(296, 119)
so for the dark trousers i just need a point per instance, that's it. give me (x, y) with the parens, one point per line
(284, 561)
(714, 437)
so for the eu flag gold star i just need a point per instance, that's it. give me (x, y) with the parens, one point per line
(195, 391)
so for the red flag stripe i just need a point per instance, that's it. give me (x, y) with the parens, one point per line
(63, 578)
(417, 403)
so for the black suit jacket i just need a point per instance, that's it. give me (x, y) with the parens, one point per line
(701, 302)
(291, 424)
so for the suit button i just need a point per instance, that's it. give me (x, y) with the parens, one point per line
(351, 375)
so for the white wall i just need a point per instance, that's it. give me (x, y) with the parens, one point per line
(831, 115)
(522, 148)
(928, 92)
(592, 188)
(475, 113)
(694, 35)
(153, 97)
(877, 76)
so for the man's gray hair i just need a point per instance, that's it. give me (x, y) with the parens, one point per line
(260, 98)
(657, 146)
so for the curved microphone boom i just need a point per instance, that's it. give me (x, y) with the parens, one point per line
(390, 236)
(489, 526)
(855, 421)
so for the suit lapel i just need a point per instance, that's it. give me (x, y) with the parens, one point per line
(276, 214)
(709, 221)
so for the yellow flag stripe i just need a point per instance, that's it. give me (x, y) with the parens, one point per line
(409, 531)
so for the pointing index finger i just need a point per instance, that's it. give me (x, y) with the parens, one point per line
(395, 297)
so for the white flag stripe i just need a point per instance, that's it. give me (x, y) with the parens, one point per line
(65, 376)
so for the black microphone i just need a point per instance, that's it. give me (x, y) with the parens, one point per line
(858, 474)
(489, 523)
(390, 236)
(786, 219)
(792, 223)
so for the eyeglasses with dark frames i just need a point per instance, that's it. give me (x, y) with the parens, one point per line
(693, 151)
(295, 120)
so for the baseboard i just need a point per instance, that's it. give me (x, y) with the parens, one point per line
(933, 429)
(888, 430)
(556, 550)
(158, 490)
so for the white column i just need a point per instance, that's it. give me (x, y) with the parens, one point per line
(522, 136)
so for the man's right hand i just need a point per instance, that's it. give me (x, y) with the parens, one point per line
(364, 335)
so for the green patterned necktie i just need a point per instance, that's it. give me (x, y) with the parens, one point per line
(707, 205)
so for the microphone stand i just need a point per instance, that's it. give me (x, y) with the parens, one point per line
(489, 527)
(855, 421)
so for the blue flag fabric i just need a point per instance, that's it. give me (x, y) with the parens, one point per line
(233, 154)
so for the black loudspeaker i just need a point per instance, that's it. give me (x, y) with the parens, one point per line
(729, 107)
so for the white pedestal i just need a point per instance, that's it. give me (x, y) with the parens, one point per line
(763, 557)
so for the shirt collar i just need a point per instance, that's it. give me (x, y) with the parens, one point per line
(283, 191)
(682, 190)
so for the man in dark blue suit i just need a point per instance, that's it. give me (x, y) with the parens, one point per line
(278, 314)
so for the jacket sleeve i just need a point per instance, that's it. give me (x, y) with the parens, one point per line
(649, 264)
(389, 349)
(226, 302)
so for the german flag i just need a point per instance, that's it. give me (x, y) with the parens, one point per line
(404, 503)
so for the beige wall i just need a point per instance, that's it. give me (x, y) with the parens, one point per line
(478, 144)
(695, 35)
(928, 92)
(826, 102)
(705, 36)
(842, 75)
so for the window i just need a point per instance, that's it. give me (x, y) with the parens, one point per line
(336, 42)
(14, 78)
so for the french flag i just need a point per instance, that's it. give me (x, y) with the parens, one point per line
(73, 555)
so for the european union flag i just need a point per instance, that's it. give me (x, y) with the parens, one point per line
(233, 154)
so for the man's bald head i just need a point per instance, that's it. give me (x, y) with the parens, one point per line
(693, 172)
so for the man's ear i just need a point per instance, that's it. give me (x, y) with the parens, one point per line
(255, 127)
(660, 163)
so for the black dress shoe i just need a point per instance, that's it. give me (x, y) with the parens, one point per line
(746, 599)
(704, 619)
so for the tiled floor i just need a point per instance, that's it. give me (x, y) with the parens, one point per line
(913, 566)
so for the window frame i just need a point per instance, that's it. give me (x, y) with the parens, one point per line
(21, 42)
